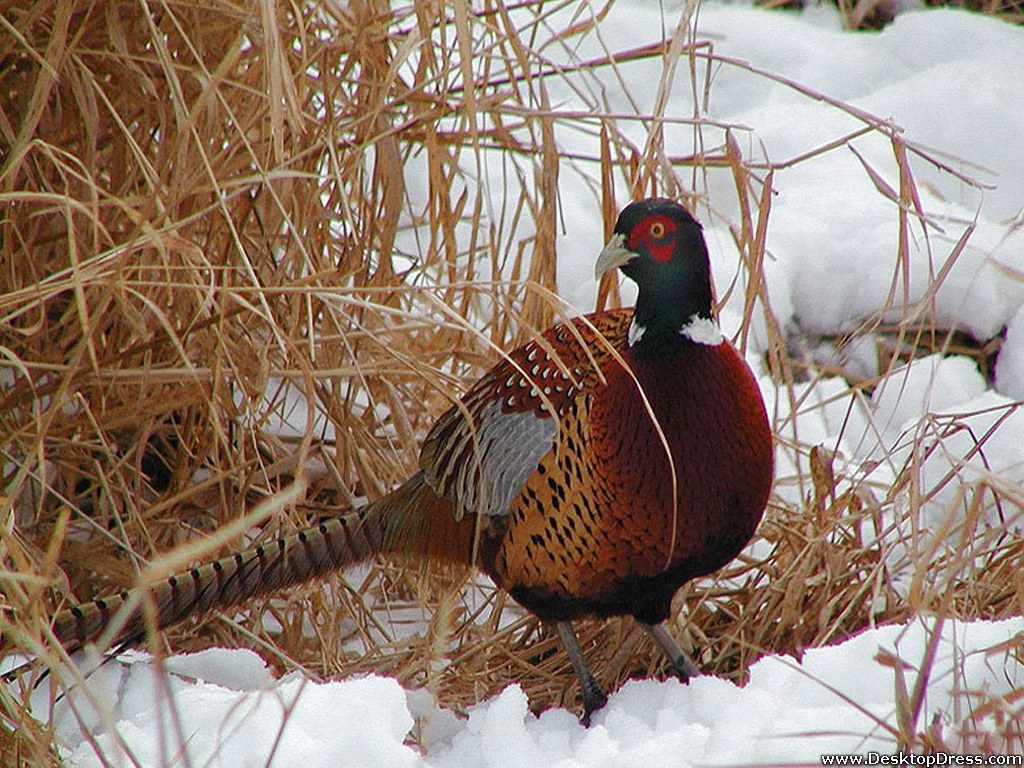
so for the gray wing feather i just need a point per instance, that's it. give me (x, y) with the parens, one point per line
(483, 469)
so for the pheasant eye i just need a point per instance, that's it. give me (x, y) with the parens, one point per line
(657, 230)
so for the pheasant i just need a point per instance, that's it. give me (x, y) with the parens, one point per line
(590, 473)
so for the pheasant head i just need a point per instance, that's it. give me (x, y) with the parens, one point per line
(660, 246)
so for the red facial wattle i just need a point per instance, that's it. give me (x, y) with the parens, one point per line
(655, 234)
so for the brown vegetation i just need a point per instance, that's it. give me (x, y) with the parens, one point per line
(221, 219)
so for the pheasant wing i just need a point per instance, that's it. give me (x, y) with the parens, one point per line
(480, 453)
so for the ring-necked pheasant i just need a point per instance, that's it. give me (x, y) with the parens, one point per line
(590, 473)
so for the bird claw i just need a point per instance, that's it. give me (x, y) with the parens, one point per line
(684, 669)
(680, 663)
(593, 701)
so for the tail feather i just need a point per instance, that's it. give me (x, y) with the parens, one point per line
(332, 545)
(412, 521)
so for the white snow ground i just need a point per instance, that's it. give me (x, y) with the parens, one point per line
(955, 82)
(227, 710)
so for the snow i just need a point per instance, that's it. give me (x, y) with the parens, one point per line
(954, 82)
(1010, 367)
(835, 700)
(833, 235)
(217, 725)
(930, 384)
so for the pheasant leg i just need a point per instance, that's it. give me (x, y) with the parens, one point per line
(594, 697)
(677, 658)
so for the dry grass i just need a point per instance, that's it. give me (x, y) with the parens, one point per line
(214, 212)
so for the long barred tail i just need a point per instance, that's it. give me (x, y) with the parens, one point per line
(302, 557)
(410, 521)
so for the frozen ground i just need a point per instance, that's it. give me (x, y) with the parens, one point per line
(955, 82)
(227, 710)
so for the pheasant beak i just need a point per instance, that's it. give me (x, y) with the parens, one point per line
(615, 254)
